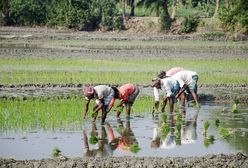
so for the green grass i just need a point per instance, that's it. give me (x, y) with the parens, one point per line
(52, 113)
(117, 71)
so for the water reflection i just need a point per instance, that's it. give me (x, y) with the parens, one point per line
(175, 131)
(102, 146)
(106, 140)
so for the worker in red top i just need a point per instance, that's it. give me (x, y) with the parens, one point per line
(127, 94)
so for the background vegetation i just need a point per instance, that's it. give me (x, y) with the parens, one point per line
(111, 14)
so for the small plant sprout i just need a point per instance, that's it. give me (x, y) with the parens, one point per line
(178, 130)
(225, 133)
(179, 117)
(235, 106)
(56, 152)
(208, 140)
(134, 148)
(205, 128)
(217, 122)
(237, 101)
(163, 118)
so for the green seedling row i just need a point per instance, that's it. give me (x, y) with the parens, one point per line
(117, 71)
(53, 113)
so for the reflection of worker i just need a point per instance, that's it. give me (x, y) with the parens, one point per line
(162, 75)
(160, 140)
(127, 94)
(103, 95)
(188, 133)
(102, 147)
(126, 136)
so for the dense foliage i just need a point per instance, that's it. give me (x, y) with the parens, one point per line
(111, 14)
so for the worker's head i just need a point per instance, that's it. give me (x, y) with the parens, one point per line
(162, 74)
(156, 83)
(88, 91)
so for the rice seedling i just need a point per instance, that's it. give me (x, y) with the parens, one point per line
(208, 140)
(225, 133)
(93, 138)
(163, 118)
(179, 118)
(205, 128)
(134, 148)
(235, 106)
(51, 113)
(178, 130)
(116, 71)
(217, 122)
(56, 152)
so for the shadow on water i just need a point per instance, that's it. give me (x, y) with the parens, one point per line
(142, 135)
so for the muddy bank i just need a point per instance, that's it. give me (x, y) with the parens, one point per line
(238, 160)
(65, 34)
(32, 42)
(207, 92)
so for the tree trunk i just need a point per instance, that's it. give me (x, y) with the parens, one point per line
(184, 2)
(157, 11)
(217, 4)
(174, 11)
(166, 17)
(123, 3)
(165, 7)
(132, 7)
(207, 10)
(227, 4)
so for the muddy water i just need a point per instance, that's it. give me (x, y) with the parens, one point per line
(116, 136)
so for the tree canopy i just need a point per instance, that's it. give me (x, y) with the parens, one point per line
(111, 14)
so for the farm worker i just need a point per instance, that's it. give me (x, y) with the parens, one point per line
(161, 75)
(187, 79)
(103, 95)
(127, 94)
(170, 87)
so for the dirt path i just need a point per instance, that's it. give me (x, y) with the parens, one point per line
(221, 92)
(238, 160)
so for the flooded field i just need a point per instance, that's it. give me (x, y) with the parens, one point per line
(41, 77)
(117, 136)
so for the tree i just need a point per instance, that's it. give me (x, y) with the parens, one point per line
(131, 3)
(217, 5)
(166, 20)
(236, 15)
(123, 7)
(153, 5)
(207, 8)
(174, 9)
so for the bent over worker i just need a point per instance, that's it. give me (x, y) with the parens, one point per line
(127, 94)
(103, 95)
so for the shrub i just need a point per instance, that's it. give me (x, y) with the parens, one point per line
(165, 22)
(26, 12)
(189, 24)
(237, 15)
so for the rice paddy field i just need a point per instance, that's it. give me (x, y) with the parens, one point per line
(41, 101)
